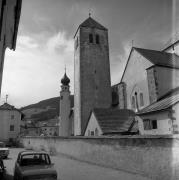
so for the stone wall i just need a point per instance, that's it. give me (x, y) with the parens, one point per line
(154, 157)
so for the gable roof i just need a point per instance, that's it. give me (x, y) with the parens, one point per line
(7, 106)
(159, 58)
(162, 104)
(114, 120)
(90, 22)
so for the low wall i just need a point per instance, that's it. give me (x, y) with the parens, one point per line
(154, 157)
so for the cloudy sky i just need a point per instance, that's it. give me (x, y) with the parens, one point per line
(45, 41)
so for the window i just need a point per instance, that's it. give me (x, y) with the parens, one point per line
(97, 39)
(150, 124)
(88, 132)
(92, 133)
(141, 99)
(154, 124)
(12, 116)
(11, 127)
(133, 102)
(96, 132)
(90, 38)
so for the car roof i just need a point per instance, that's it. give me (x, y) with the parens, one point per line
(32, 152)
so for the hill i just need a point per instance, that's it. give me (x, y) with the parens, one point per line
(44, 110)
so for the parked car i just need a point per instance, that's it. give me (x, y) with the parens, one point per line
(2, 169)
(32, 165)
(4, 151)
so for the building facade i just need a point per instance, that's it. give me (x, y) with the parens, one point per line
(152, 85)
(9, 20)
(10, 122)
(92, 85)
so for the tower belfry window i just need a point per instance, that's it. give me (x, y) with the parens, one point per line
(97, 39)
(90, 38)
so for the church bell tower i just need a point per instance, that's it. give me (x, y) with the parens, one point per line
(92, 85)
(64, 127)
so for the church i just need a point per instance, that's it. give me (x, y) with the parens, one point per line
(143, 102)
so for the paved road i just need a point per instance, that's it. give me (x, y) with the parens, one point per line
(69, 169)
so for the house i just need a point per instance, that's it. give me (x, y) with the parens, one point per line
(49, 130)
(10, 122)
(148, 78)
(9, 20)
(110, 122)
(161, 117)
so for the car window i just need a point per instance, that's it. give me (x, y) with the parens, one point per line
(2, 145)
(35, 159)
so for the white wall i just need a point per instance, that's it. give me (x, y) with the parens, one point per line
(135, 78)
(164, 123)
(6, 121)
(175, 117)
(92, 125)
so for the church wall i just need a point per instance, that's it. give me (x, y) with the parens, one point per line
(152, 86)
(135, 78)
(122, 95)
(166, 79)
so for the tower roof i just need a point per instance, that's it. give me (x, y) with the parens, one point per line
(90, 22)
(65, 80)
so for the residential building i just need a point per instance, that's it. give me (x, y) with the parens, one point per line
(49, 130)
(9, 20)
(10, 122)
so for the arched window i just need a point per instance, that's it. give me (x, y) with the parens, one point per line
(141, 99)
(97, 39)
(133, 103)
(90, 38)
(96, 132)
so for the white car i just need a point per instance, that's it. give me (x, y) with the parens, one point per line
(33, 165)
(4, 151)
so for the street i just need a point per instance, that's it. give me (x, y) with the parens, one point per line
(69, 169)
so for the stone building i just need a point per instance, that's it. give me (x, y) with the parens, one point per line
(9, 20)
(92, 85)
(10, 122)
(151, 91)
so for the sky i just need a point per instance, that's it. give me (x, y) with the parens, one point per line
(45, 43)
